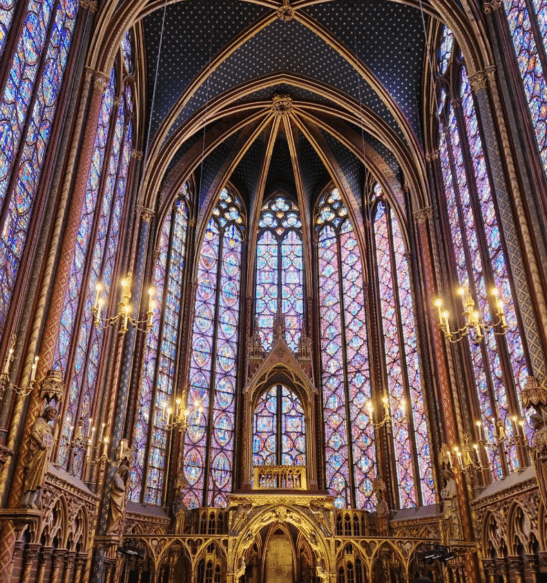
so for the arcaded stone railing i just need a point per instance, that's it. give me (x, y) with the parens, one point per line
(280, 478)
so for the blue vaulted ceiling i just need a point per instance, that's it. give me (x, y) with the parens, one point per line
(193, 31)
(185, 40)
(388, 38)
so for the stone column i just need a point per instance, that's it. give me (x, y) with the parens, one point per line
(110, 569)
(57, 567)
(45, 557)
(515, 569)
(122, 394)
(29, 557)
(11, 543)
(7, 546)
(69, 566)
(173, 557)
(530, 569)
(489, 566)
(79, 568)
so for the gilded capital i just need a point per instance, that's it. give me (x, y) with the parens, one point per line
(489, 7)
(88, 74)
(100, 80)
(478, 81)
(490, 73)
(90, 5)
(145, 214)
(422, 215)
(136, 154)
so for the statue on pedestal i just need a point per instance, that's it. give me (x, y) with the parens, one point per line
(41, 442)
(534, 396)
(179, 511)
(382, 509)
(117, 500)
(451, 513)
(382, 514)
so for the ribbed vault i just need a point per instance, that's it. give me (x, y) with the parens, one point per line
(353, 72)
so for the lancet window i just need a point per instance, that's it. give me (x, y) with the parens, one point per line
(79, 347)
(350, 452)
(474, 241)
(209, 440)
(404, 397)
(279, 436)
(279, 270)
(27, 111)
(159, 368)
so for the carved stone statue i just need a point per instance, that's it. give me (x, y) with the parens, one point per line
(451, 512)
(239, 516)
(41, 442)
(179, 511)
(539, 447)
(382, 514)
(323, 515)
(117, 500)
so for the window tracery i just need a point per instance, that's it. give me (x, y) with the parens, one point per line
(151, 434)
(349, 434)
(404, 390)
(279, 432)
(279, 270)
(209, 441)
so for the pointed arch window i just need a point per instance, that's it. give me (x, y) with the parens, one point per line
(475, 241)
(279, 270)
(402, 368)
(27, 111)
(349, 434)
(209, 441)
(159, 368)
(279, 429)
(79, 346)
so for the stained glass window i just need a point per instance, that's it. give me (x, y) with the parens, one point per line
(445, 51)
(480, 264)
(209, 441)
(349, 434)
(279, 429)
(6, 15)
(520, 13)
(127, 52)
(79, 345)
(404, 392)
(159, 363)
(27, 110)
(279, 270)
